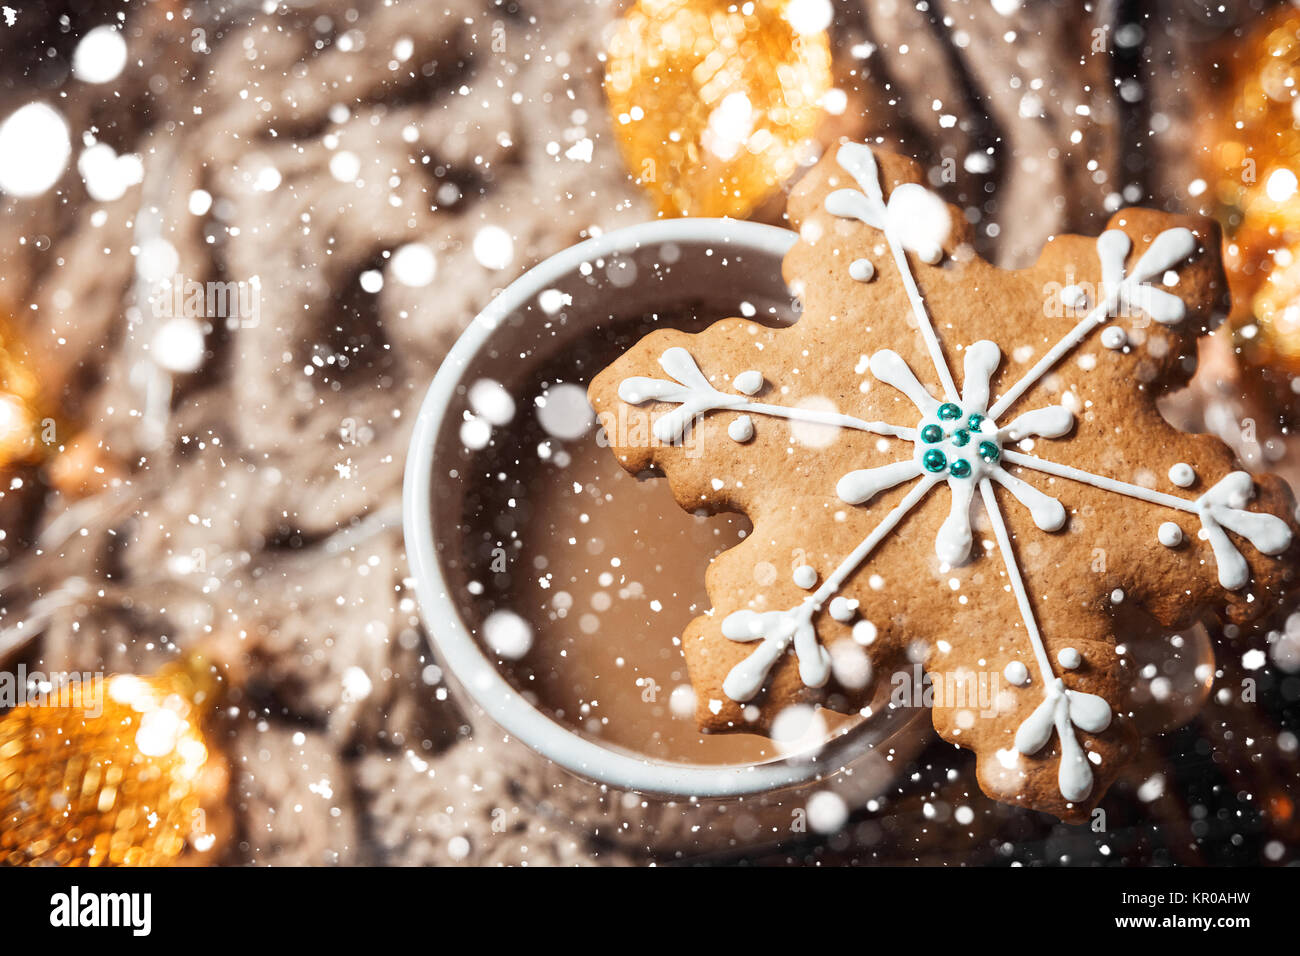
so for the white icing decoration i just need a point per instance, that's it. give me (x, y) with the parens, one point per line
(1224, 506)
(861, 486)
(775, 630)
(1074, 776)
(1048, 513)
(953, 542)
(917, 219)
(1016, 673)
(779, 629)
(694, 396)
(1098, 481)
(1169, 534)
(1114, 338)
(1167, 250)
(690, 391)
(741, 429)
(1120, 292)
(1069, 658)
(980, 362)
(888, 366)
(805, 576)
(843, 609)
(1183, 475)
(1061, 711)
(862, 270)
(748, 382)
(869, 207)
(1054, 421)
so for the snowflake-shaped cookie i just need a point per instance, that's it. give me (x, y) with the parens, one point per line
(1075, 518)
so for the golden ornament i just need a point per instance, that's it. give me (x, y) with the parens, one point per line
(110, 771)
(82, 467)
(1256, 155)
(713, 102)
(19, 422)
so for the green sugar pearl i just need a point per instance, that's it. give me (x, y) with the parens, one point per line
(960, 437)
(934, 460)
(975, 421)
(960, 468)
(931, 434)
(989, 451)
(949, 412)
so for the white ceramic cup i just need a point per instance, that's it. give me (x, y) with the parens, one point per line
(711, 265)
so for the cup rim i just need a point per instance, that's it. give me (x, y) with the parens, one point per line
(451, 641)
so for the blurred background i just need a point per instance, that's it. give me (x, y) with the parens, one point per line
(203, 510)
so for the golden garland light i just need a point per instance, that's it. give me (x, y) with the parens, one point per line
(19, 422)
(713, 101)
(1256, 155)
(94, 770)
(111, 771)
(32, 437)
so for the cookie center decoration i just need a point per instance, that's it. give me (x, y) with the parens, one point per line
(946, 443)
(970, 440)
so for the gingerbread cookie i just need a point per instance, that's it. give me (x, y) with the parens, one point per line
(948, 461)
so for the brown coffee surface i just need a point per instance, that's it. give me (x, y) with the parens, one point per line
(602, 564)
